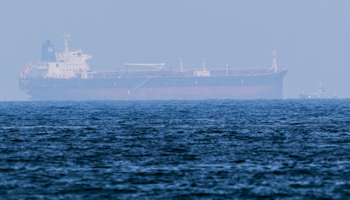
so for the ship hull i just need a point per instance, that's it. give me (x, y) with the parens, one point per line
(267, 86)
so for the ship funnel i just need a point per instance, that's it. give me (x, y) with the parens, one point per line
(48, 52)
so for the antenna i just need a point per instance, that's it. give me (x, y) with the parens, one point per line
(274, 65)
(204, 69)
(181, 67)
(66, 38)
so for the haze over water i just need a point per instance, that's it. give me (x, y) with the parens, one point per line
(211, 149)
(292, 149)
(311, 38)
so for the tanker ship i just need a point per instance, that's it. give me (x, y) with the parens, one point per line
(66, 76)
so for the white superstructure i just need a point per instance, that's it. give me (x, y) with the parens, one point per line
(69, 64)
(204, 72)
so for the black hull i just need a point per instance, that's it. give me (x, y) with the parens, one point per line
(264, 86)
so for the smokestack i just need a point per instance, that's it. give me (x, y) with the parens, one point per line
(48, 52)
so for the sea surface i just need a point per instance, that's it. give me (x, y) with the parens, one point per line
(213, 149)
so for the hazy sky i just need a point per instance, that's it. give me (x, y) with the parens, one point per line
(311, 38)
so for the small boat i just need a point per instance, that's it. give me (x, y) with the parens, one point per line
(318, 94)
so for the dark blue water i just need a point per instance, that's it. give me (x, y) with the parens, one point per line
(175, 149)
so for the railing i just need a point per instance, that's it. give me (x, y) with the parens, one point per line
(166, 73)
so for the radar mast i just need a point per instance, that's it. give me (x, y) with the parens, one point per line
(66, 38)
(274, 65)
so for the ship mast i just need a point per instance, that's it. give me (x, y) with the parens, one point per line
(204, 68)
(181, 67)
(274, 65)
(66, 38)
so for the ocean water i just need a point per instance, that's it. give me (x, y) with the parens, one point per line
(214, 149)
